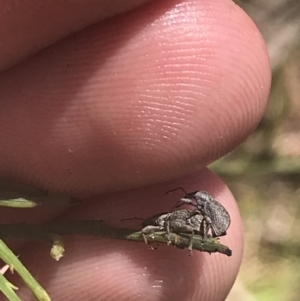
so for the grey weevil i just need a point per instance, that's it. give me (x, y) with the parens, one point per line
(216, 217)
(179, 221)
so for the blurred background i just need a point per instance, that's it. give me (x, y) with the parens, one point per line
(264, 172)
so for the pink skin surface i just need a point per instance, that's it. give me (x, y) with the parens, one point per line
(135, 103)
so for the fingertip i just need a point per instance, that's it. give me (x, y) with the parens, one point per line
(121, 270)
(152, 103)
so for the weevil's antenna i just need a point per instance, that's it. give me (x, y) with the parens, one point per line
(132, 218)
(178, 188)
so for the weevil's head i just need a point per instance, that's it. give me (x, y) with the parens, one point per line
(201, 197)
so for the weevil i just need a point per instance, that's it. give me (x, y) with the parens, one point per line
(179, 221)
(215, 216)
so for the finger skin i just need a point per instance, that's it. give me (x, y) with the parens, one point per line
(103, 269)
(139, 99)
(29, 26)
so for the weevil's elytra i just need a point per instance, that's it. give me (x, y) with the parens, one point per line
(216, 217)
(179, 221)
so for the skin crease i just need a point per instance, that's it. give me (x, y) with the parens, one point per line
(39, 24)
(146, 97)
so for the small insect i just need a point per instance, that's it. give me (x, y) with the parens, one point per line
(179, 221)
(215, 216)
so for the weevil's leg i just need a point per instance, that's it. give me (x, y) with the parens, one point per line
(204, 230)
(177, 205)
(150, 229)
(167, 226)
(190, 247)
(187, 229)
(206, 226)
(145, 239)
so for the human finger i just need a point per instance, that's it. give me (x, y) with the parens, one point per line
(29, 26)
(140, 99)
(96, 268)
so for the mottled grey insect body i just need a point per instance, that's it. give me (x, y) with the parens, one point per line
(215, 215)
(185, 221)
(179, 221)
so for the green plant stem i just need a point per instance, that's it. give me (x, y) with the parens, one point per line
(98, 228)
(10, 258)
(17, 195)
(8, 289)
